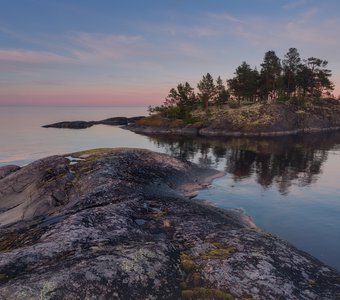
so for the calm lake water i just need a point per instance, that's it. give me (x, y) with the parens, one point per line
(289, 185)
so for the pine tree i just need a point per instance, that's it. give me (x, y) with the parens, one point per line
(270, 75)
(317, 77)
(207, 90)
(291, 65)
(222, 95)
(244, 85)
(180, 101)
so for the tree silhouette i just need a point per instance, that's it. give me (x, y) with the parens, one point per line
(222, 95)
(291, 66)
(270, 75)
(244, 85)
(294, 81)
(207, 90)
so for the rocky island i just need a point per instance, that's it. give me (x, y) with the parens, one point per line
(284, 97)
(120, 224)
(258, 119)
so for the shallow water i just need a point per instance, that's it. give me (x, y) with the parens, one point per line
(289, 185)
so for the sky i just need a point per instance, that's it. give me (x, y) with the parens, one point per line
(132, 52)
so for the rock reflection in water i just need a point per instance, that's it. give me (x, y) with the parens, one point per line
(280, 161)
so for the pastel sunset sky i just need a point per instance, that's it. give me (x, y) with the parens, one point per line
(131, 52)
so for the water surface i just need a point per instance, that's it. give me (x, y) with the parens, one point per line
(22, 139)
(289, 185)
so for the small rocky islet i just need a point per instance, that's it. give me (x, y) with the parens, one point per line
(121, 224)
(86, 124)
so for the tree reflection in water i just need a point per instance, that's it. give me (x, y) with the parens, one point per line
(279, 161)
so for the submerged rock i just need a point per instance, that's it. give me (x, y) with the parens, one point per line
(115, 224)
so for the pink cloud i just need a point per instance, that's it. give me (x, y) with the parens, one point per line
(28, 56)
(174, 29)
(133, 50)
(294, 4)
(82, 94)
(79, 47)
(303, 29)
(226, 17)
(82, 98)
(97, 46)
(312, 34)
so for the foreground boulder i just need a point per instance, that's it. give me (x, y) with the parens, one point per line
(116, 224)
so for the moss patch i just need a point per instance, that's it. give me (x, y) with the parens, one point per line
(166, 224)
(196, 279)
(157, 214)
(157, 121)
(94, 151)
(206, 294)
(220, 251)
(187, 263)
(194, 287)
(3, 277)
